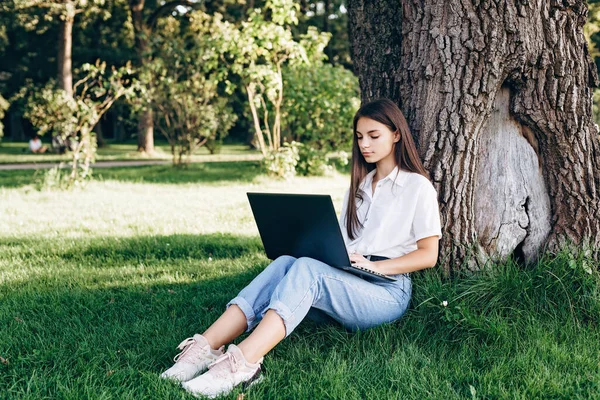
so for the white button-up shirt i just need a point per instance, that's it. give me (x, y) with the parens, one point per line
(402, 210)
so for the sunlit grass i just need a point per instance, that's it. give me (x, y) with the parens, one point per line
(16, 152)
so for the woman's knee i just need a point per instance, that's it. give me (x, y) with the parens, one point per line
(309, 266)
(285, 260)
(282, 264)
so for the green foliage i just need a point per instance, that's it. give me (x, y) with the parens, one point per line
(596, 106)
(259, 51)
(591, 31)
(71, 119)
(286, 81)
(319, 105)
(55, 178)
(332, 17)
(3, 107)
(182, 81)
(51, 110)
(318, 109)
(214, 145)
(312, 162)
(282, 162)
(36, 14)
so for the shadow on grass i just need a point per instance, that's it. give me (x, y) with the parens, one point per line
(210, 172)
(172, 247)
(102, 251)
(16, 178)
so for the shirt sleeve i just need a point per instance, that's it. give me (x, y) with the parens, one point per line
(427, 215)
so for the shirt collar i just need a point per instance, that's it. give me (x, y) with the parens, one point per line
(397, 176)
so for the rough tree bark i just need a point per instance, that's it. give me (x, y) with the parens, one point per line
(499, 98)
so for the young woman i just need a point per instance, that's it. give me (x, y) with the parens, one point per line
(391, 224)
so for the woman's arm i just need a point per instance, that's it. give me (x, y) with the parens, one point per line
(424, 257)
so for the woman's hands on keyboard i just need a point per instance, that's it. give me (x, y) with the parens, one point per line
(357, 260)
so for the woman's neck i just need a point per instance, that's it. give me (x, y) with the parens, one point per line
(384, 168)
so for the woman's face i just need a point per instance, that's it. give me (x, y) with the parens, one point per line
(375, 140)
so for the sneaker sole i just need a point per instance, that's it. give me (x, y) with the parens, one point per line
(244, 386)
(256, 378)
(176, 379)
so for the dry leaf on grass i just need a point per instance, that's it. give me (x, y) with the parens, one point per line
(240, 396)
(4, 361)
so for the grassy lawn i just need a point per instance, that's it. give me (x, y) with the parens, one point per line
(13, 153)
(98, 287)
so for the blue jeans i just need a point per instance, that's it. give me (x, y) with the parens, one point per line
(293, 287)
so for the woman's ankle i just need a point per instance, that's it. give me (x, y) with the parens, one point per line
(213, 342)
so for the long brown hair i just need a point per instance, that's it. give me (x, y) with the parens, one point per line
(406, 156)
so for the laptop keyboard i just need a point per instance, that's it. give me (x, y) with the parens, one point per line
(368, 270)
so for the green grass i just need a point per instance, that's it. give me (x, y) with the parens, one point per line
(15, 153)
(212, 173)
(98, 287)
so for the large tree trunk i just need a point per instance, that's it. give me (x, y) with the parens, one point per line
(146, 118)
(499, 99)
(65, 44)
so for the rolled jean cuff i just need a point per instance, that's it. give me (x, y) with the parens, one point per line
(285, 313)
(246, 309)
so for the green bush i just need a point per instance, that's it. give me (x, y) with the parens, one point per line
(71, 119)
(312, 162)
(319, 103)
(184, 86)
(282, 162)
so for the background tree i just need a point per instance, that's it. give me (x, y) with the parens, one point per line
(143, 26)
(499, 99)
(32, 12)
(328, 16)
(40, 16)
(29, 50)
(186, 72)
(72, 118)
(259, 50)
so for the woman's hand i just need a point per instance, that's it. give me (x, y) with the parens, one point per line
(359, 261)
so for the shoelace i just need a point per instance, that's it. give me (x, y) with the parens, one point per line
(186, 346)
(225, 366)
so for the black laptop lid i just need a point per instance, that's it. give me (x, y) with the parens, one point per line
(299, 225)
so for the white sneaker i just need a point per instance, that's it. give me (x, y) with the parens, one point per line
(229, 371)
(194, 359)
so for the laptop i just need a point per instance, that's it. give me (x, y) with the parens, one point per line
(304, 225)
